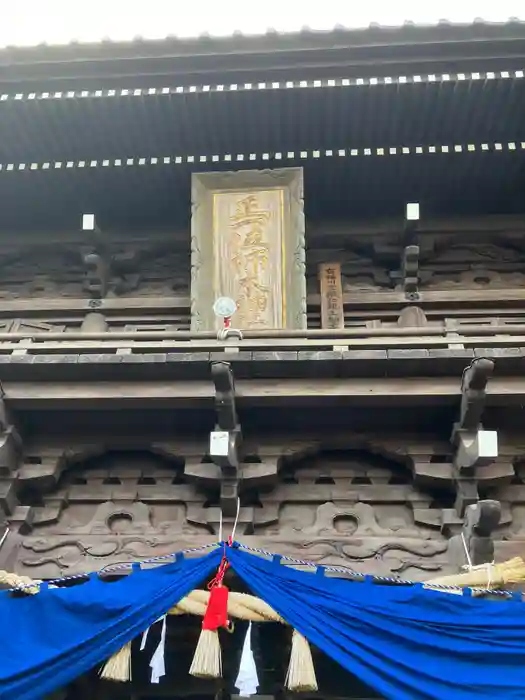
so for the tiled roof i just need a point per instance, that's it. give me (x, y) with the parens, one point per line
(270, 117)
(339, 53)
(289, 30)
(358, 33)
(384, 115)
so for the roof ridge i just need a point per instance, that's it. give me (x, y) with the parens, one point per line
(270, 32)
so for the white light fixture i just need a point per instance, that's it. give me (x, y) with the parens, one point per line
(88, 222)
(219, 443)
(412, 211)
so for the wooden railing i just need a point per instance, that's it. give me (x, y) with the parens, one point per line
(462, 336)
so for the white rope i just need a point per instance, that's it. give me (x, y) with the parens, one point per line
(236, 519)
(234, 522)
(469, 567)
(489, 575)
(467, 554)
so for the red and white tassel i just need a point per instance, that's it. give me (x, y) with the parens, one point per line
(207, 660)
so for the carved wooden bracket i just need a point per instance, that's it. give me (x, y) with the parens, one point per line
(408, 275)
(476, 538)
(227, 428)
(10, 452)
(101, 266)
(410, 272)
(473, 447)
(473, 393)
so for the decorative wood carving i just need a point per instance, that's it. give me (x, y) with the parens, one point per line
(112, 507)
(248, 243)
(157, 264)
(104, 267)
(332, 311)
(489, 262)
(348, 503)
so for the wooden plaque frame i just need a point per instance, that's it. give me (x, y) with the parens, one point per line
(205, 189)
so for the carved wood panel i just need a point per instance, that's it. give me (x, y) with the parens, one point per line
(248, 243)
(362, 503)
(117, 506)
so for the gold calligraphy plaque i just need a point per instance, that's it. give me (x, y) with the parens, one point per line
(248, 259)
(248, 244)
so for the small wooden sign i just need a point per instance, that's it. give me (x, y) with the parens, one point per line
(332, 311)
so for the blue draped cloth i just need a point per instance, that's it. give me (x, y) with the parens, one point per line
(409, 643)
(406, 642)
(53, 637)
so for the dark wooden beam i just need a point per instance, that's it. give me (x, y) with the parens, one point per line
(363, 300)
(225, 440)
(410, 391)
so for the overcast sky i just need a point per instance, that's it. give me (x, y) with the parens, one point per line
(29, 22)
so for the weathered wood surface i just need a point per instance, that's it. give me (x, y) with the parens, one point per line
(439, 334)
(354, 501)
(348, 391)
(149, 395)
(125, 364)
(467, 298)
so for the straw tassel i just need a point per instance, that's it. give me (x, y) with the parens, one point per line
(207, 660)
(118, 667)
(301, 672)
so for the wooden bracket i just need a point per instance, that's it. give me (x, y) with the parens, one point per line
(101, 266)
(408, 274)
(226, 439)
(10, 454)
(96, 259)
(477, 536)
(410, 257)
(473, 446)
(473, 393)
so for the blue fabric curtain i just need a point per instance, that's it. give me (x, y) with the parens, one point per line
(57, 635)
(406, 642)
